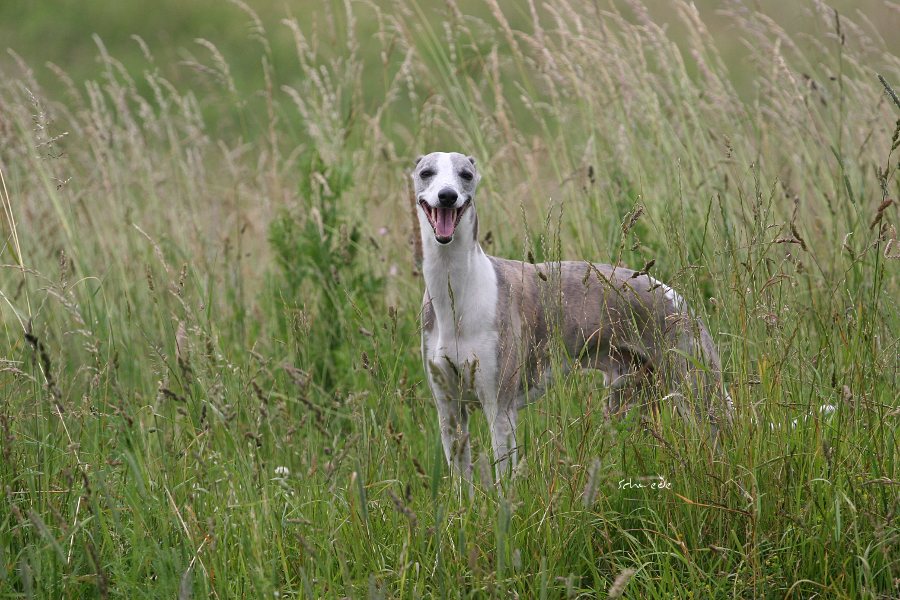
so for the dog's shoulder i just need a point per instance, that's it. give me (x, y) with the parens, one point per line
(510, 271)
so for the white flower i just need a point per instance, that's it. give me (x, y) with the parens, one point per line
(282, 472)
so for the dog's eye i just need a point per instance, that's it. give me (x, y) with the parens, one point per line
(426, 174)
(467, 175)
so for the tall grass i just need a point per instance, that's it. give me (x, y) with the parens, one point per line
(212, 386)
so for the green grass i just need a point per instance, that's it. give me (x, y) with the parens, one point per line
(211, 385)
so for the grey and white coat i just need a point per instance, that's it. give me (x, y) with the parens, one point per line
(489, 325)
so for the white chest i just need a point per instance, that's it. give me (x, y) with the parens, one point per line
(467, 339)
(468, 352)
(462, 347)
(464, 366)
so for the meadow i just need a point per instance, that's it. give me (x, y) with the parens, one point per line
(210, 383)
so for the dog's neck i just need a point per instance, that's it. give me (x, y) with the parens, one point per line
(458, 277)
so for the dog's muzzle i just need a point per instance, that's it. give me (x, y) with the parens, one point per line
(444, 220)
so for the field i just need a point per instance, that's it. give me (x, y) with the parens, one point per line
(210, 383)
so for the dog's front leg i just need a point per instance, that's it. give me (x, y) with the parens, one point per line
(502, 417)
(453, 420)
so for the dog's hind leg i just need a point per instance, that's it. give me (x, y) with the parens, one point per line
(628, 377)
(627, 391)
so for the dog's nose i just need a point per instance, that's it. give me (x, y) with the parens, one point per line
(447, 197)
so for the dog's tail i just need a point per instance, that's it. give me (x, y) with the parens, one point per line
(696, 368)
(702, 371)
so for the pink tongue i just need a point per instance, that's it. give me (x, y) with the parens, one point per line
(445, 224)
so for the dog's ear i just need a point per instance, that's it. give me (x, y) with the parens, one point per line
(412, 173)
(477, 172)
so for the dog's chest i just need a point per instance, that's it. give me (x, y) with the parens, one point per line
(461, 342)
(464, 363)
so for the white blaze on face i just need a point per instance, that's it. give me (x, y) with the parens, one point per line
(445, 177)
(445, 222)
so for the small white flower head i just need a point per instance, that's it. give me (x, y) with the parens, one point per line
(282, 472)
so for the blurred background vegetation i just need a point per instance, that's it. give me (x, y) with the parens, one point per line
(211, 382)
(62, 32)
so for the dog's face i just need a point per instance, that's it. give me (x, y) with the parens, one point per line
(445, 185)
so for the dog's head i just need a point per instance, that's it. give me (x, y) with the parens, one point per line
(445, 185)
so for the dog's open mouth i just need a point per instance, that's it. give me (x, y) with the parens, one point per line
(444, 220)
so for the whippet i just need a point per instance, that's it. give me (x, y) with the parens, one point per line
(488, 324)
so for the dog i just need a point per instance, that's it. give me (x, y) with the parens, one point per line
(489, 324)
